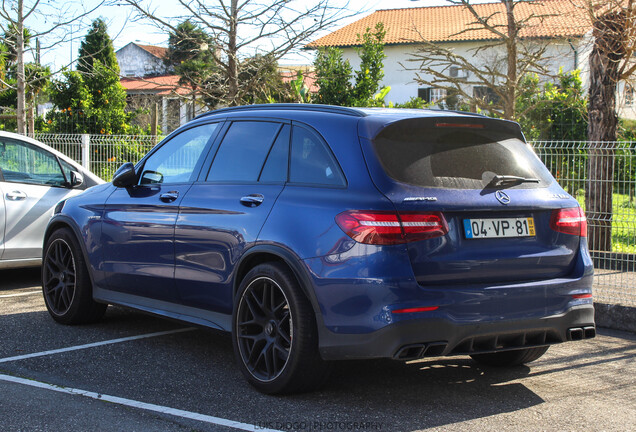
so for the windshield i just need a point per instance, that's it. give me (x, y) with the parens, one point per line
(461, 156)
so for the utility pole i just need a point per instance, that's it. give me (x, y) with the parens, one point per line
(19, 47)
(232, 64)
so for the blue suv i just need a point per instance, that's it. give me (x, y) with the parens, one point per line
(318, 233)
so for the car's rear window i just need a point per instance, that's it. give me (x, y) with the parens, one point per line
(437, 154)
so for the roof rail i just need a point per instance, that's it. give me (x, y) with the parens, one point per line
(289, 106)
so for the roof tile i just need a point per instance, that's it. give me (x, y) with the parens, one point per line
(546, 19)
(157, 51)
(160, 85)
(309, 79)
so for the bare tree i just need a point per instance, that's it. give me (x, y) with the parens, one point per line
(16, 16)
(244, 29)
(611, 61)
(497, 65)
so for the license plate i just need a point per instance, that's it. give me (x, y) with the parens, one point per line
(499, 228)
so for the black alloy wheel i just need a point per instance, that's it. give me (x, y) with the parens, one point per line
(264, 329)
(66, 283)
(59, 277)
(274, 332)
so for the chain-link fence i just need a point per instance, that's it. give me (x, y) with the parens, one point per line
(101, 154)
(601, 176)
(68, 144)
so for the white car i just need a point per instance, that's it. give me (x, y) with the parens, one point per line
(33, 179)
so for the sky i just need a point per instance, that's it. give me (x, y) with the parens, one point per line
(123, 28)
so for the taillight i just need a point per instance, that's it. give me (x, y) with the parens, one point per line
(422, 226)
(388, 228)
(569, 221)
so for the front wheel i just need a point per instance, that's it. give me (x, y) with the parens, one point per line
(66, 284)
(510, 358)
(274, 333)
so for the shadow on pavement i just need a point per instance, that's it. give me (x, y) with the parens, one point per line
(20, 278)
(195, 371)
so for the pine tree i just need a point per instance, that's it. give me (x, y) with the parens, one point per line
(97, 46)
(91, 99)
(190, 53)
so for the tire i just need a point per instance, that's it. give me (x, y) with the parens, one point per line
(274, 333)
(510, 358)
(66, 284)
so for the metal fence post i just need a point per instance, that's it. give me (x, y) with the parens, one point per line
(86, 151)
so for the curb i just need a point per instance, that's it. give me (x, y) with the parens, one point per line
(615, 317)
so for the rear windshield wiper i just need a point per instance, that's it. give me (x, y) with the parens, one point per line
(499, 180)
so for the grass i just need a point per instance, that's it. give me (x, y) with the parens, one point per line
(623, 221)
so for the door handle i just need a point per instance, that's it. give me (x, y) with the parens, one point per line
(253, 200)
(169, 197)
(16, 195)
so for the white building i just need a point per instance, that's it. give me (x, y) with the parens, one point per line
(136, 60)
(148, 81)
(560, 25)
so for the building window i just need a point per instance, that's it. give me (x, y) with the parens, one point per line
(424, 94)
(431, 94)
(486, 94)
(630, 97)
(457, 72)
(438, 94)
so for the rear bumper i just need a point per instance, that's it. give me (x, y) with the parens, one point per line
(438, 336)
(357, 304)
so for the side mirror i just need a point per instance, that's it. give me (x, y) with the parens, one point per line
(77, 179)
(125, 176)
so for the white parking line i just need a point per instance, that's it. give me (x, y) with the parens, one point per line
(93, 345)
(136, 404)
(20, 294)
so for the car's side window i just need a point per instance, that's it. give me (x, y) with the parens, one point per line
(243, 151)
(174, 161)
(67, 168)
(311, 160)
(275, 168)
(25, 163)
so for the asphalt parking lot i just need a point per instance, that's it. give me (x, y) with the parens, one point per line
(134, 372)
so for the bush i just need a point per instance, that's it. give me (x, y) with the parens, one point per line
(553, 110)
(335, 75)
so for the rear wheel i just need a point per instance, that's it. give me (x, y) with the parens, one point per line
(510, 358)
(274, 333)
(66, 284)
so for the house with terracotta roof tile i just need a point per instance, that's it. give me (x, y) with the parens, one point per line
(149, 81)
(289, 73)
(561, 25)
(137, 60)
(174, 100)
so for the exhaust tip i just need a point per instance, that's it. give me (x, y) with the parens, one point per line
(410, 352)
(435, 349)
(589, 332)
(575, 334)
(417, 351)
